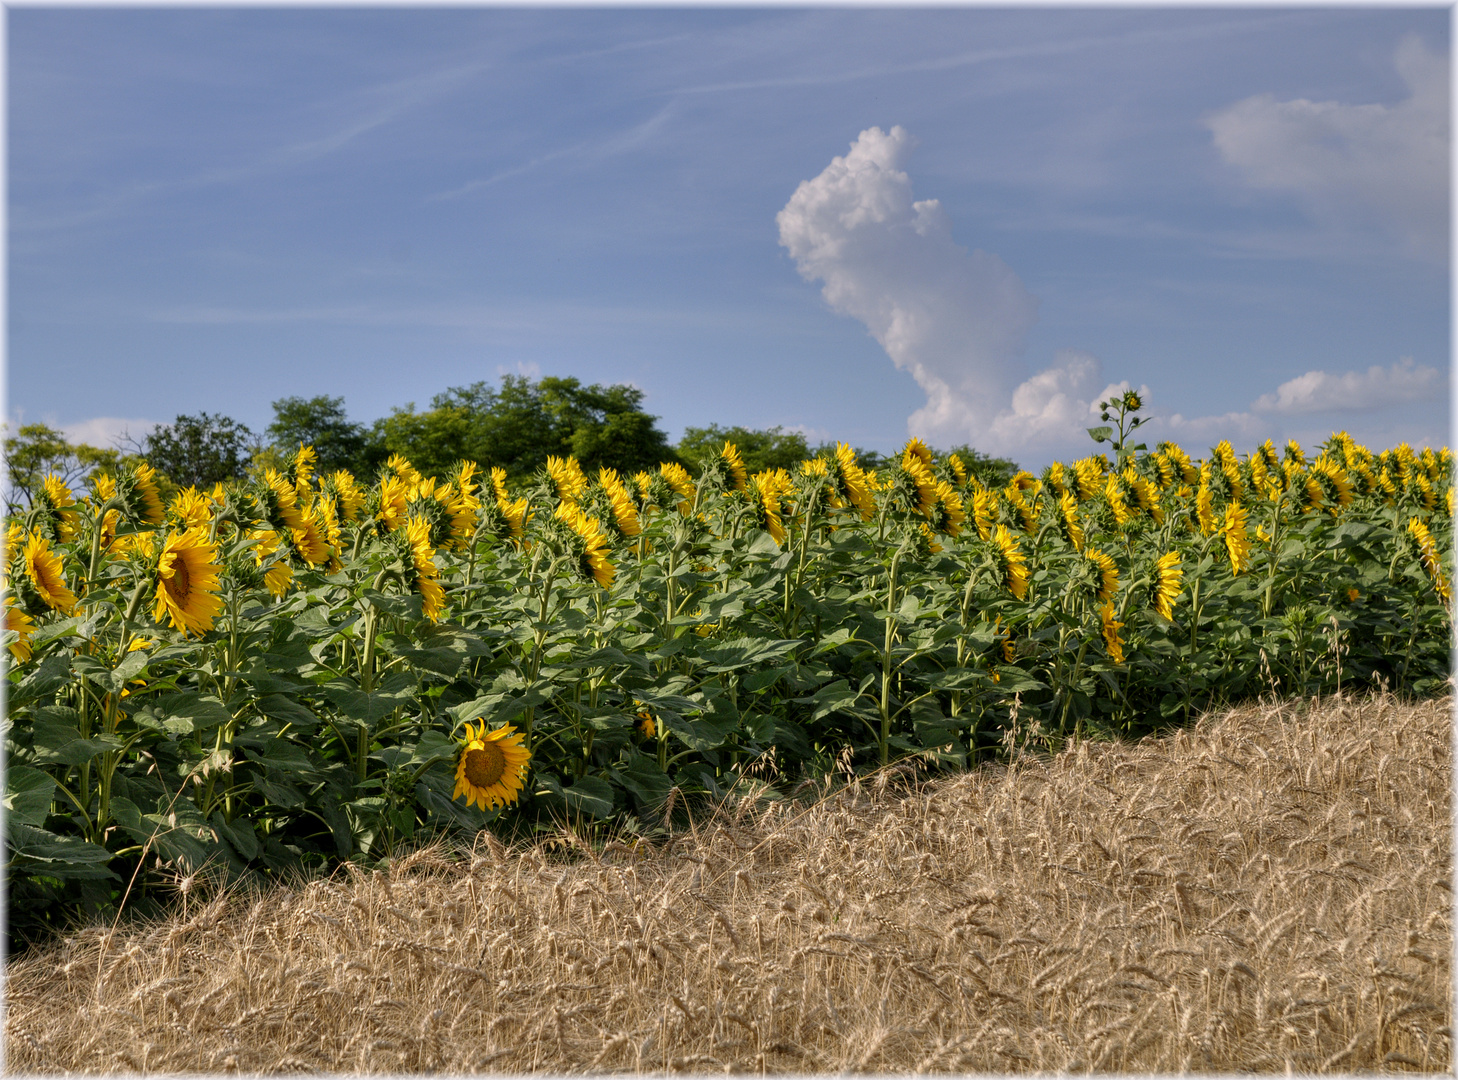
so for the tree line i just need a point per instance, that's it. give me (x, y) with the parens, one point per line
(515, 426)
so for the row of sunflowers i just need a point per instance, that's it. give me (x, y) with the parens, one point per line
(305, 668)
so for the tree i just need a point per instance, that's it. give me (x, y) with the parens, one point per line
(523, 422)
(199, 451)
(770, 448)
(320, 422)
(36, 451)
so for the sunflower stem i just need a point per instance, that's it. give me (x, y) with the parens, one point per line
(885, 733)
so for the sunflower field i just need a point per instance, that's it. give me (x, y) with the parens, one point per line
(305, 669)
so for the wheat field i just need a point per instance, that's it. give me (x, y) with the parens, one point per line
(1267, 890)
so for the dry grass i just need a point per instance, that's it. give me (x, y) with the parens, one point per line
(1268, 890)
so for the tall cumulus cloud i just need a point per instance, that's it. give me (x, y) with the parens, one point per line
(957, 321)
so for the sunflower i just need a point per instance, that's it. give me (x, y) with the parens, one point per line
(402, 468)
(590, 554)
(280, 575)
(1145, 493)
(915, 484)
(624, 513)
(1088, 475)
(567, 475)
(918, 449)
(1164, 470)
(984, 512)
(491, 766)
(959, 470)
(144, 503)
(310, 542)
(43, 569)
(301, 470)
(1237, 540)
(1432, 561)
(1056, 477)
(347, 492)
(1011, 561)
(1336, 486)
(1108, 573)
(926, 541)
(948, 513)
(734, 464)
(516, 516)
(1205, 510)
(1167, 578)
(1111, 627)
(766, 490)
(851, 481)
(646, 725)
(1294, 454)
(187, 582)
(58, 502)
(22, 625)
(1116, 495)
(680, 481)
(190, 508)
(422, 571)
(280, 501)
(1180, 460)
(1068, 520)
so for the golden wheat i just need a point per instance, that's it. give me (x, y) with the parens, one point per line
(1267, 890)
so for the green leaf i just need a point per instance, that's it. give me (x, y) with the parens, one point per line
(1101, 434)
(28, 794)
(589, 795)
(36, 851)
(396, 690)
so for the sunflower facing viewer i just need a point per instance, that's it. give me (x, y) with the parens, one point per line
(491, 766)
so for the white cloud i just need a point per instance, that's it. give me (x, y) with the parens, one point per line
(1387, 161)
(106, 431)
(1354, 391)
(955, 320)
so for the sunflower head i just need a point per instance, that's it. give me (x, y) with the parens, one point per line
(491, 766)
(1336, 486)
(610, 502)
(681, 483)
(190, 508)
(420, 569)
(187, 582)
(567, 478)
(36, 573)
(136, 488)
(947, 513)
(21, 625)
(1165, 583)
(1010, 562)
(1111, 626)
(1068, 520)
(1431, 559)
(765, 492)
(1106, 581)
(1237, 540)
(584, 544)
(56, 516)
(401, 468)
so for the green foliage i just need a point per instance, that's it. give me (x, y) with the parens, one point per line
(771, 448)
(518, 426)
(36, 451)
(319, 721)
(321, 422)
(199, 451)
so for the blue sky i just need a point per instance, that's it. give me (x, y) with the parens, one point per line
(962, 223)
